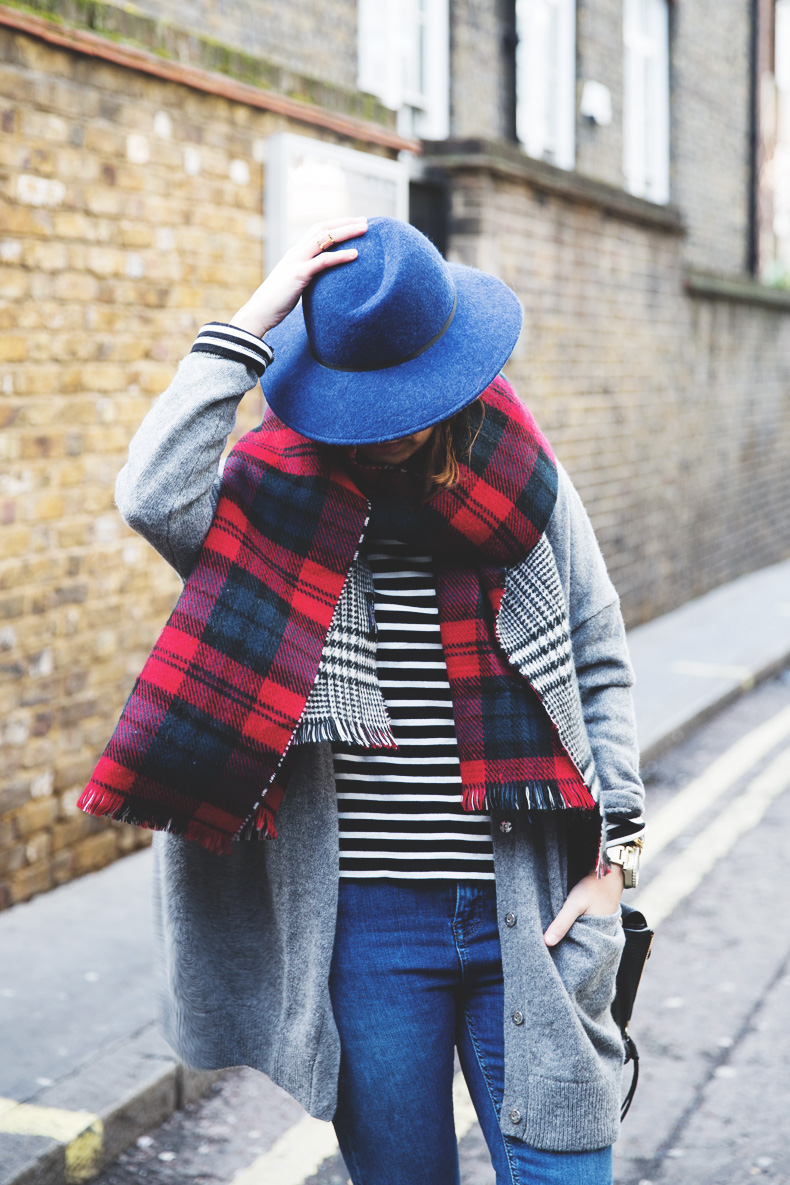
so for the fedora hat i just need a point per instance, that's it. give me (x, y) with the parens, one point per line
(388, 344)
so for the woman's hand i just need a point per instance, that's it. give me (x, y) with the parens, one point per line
(592, 895)
(286, 282)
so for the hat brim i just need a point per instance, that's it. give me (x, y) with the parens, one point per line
(368, 407)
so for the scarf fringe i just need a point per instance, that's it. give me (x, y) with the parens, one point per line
(552, 795)
(260, 826)
(103, 803)
(347, 732)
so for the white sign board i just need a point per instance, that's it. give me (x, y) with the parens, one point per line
(309, 181)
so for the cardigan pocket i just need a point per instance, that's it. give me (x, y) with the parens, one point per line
(587, 959)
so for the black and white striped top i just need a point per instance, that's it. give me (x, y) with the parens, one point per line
(400, 811)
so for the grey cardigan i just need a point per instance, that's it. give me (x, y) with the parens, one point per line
(247, 939)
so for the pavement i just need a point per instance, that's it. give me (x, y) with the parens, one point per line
(83, 1069)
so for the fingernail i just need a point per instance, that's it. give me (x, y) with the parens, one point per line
(550, 938)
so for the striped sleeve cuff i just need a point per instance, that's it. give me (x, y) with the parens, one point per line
(237, 345)
(623, 829)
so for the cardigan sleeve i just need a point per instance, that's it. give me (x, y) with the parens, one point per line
(603, 667)
(169, 487)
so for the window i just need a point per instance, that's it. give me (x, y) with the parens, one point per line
(546, 79)
(404, 59)
(774, 149)
(646, 99)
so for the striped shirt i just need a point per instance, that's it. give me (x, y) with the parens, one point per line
(400, 811)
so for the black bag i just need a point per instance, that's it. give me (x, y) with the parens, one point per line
(636, 952)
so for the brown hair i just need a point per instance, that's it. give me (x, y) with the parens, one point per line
(452, 442)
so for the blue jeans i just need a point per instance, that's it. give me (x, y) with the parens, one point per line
(417, 971)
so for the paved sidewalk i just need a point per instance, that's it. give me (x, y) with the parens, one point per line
(83, 1069)
(691, 662)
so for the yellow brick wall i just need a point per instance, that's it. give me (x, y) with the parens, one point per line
(131, 211)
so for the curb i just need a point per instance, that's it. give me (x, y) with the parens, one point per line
(660, 742)
(145, 1085)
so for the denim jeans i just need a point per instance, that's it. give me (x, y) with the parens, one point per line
(417, 972)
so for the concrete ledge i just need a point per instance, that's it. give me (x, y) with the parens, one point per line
(744, 290)
(512, 163)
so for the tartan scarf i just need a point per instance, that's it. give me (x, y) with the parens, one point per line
(229, 683)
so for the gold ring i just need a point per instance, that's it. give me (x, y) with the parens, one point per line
(324, 243)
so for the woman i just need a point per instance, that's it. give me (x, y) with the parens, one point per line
(399, 657)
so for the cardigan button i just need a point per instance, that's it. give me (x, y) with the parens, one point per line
(510, 919)
(506, 826)
(515, 1115)
(518, 1018)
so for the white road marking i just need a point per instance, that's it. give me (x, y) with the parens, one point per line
(80, 1131)
(297, 1155)
(695, 798)
(463, 1107)
(301, 1151)
(713, 670)
(688, 869)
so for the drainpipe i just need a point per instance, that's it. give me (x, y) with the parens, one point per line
(509, 43)
(752, 249)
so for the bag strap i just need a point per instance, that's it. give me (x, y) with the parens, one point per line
(631, 1055)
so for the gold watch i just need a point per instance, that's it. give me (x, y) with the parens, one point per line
(628, 856)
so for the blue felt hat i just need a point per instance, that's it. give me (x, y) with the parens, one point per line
(393, 342)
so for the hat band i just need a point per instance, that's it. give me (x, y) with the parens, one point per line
(408, 358)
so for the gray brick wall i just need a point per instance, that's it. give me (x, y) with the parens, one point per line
(599, 57)
(477, 95)
(671, 412)
(710, 49)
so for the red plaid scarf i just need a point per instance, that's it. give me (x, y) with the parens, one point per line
(205, 730)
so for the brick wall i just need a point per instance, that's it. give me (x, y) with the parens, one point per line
(477, 100)
(671, 412)
(130, 213)
(599, 58)
(709, 125)
(710, 150)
